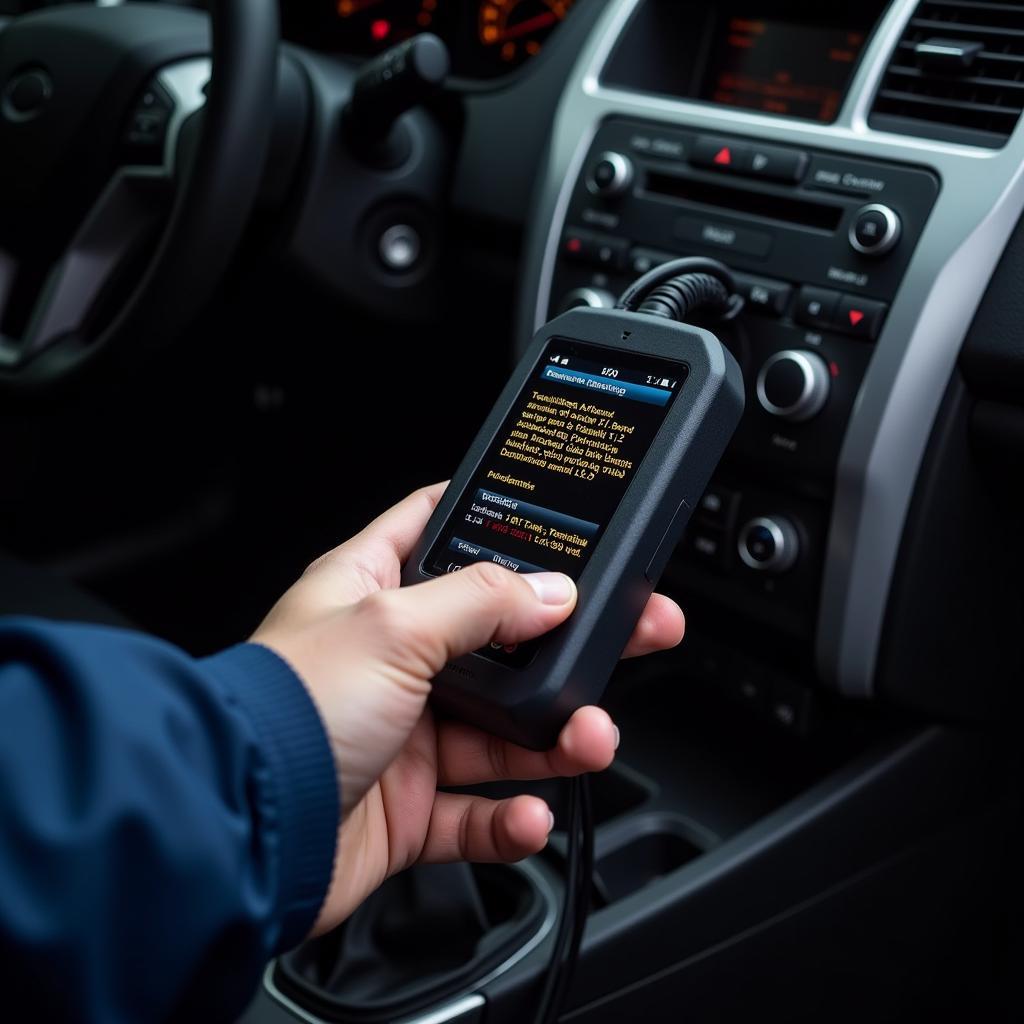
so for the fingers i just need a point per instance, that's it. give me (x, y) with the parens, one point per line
(660, 627)
(486, 831)
(419, 628)
(467, 756)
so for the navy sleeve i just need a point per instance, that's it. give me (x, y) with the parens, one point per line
(166, 824)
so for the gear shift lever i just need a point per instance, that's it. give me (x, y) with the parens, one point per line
(398, 80)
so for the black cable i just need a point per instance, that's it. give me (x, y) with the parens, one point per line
(675, 290)
(576, 906)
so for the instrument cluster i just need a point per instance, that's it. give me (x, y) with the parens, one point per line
(487, 38)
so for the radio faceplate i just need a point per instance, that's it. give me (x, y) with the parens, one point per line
(821, 243)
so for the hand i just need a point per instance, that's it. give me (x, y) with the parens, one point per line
(367, 652)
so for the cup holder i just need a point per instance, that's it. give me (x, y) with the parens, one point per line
(655, 846)
(425, 935)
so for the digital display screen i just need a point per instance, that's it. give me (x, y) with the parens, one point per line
(781, 67)
(562, 461)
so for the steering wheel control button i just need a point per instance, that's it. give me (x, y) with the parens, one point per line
(587, 298)
(816, 307)
(26, 95)
(147, 125)
(400, 248)
(769, 545)
(611, 175)
(794, 385)
(861, 318)
(875, 230)
(716, 234)
(763, 295)
(771, 163)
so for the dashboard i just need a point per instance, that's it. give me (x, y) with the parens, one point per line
(487, 38)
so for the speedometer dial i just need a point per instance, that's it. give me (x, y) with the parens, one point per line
(516, 29)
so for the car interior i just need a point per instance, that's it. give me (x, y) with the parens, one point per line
(265, 266)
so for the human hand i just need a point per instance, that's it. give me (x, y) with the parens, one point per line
(367, 652)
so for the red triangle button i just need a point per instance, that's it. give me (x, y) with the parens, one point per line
(724, 157)
(856, 316)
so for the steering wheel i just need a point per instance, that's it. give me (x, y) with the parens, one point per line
(119, 211)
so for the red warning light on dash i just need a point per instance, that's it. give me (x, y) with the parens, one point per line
(856, 316)
(724, 157)
(380, 29)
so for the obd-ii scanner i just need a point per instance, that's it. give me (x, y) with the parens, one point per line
(590, 464)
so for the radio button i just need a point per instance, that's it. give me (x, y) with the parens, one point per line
(876, 230)
(794, 385)
(643, 261)
(598, 250)
(861, 318)
(719, 235)
(764, 295)
(773, 164)
(816, 307)
(611, 175)
(716, 506)
(769, 544)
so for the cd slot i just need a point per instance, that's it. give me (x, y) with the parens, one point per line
(783, 209)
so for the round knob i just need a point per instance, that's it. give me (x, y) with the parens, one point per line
(769, 544)
(875, 230)
(794, 385)
(611, 175)
(594, 298)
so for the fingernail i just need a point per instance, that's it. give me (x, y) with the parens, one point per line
(618, 736)
(551, 587)
(551, 820)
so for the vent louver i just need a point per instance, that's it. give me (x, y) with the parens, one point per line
(957, 73)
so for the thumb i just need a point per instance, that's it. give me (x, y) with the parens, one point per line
(442, 619)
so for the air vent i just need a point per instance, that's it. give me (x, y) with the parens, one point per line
(957, 74)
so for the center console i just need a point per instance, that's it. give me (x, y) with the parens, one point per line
(821, 242)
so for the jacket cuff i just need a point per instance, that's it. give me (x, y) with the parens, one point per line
(301, 778)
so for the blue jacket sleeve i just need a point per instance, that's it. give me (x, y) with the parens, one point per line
(166, 824)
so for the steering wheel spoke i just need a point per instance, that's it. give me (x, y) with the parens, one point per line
(105, 250)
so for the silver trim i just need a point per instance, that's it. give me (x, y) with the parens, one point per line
(184, 82)
(893, 230)
(816, 386)
(787, 545)
(470, 1000)
(980, 203)
(622, 178)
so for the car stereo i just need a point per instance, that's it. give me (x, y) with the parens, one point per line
(819, 244)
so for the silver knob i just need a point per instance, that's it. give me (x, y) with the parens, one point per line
(769, 544)
(875, 230)
(610, 175)
(594, 298)
(794, 385)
